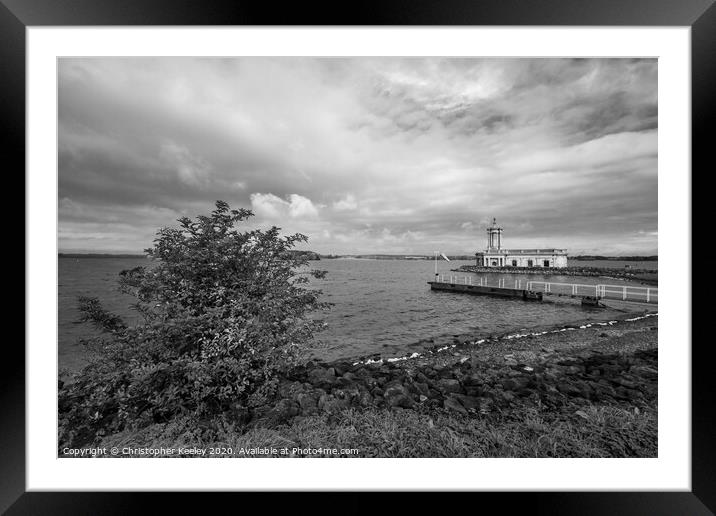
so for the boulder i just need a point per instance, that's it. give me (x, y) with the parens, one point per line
(290, 390)
(322, 377)
(284, 410)
(449, 385)
(420, 377)
(365, 399)
(474, 379)
(469, 402)
(329, 403)
(349, 392)
(454, 405)
(400, 400)
(474, 391)
(394, 388)
(308, 400)
(569, 389)
(422, 388)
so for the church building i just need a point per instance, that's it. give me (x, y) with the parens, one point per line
(496, 256)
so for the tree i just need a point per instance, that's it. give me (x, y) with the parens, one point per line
(223, 314)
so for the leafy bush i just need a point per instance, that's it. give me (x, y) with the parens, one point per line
(223, 314)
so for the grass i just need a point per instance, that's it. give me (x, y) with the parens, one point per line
(593, 431)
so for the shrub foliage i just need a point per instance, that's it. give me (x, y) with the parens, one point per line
(223, 313)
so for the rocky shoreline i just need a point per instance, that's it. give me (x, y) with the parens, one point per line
(563, 368)
(646, 276)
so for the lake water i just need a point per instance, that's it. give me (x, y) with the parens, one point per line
(379, 306)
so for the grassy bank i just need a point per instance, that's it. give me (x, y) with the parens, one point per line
(580, 392)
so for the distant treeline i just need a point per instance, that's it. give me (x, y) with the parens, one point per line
(99, 255)
(309, 255)
(393, 257)
(587, 257)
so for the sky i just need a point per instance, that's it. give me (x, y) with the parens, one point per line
(362, 155)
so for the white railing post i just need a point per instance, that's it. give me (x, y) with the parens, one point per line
(647, 294)
(624, 294)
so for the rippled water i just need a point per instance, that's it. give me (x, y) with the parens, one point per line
(380, 306)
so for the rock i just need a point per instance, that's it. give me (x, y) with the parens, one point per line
(340, 368)
(351, 377)
(394, 388)
(602, 389)
(434, 394)
(508, 396)
(400, 400)
(365, 399)
(645, 371)
(624, 382)
(453, 404)
(571, 369)
(585, 389)
(446, 374)
(349, 392)
(569, 389)
(431, 373)
(421, 388)
(610, 369)
(329, 403)
(473, 379)
(474, 391)
(469, 402)
(509, 384)
(283, 411)
(420, 377)
(290, 390)
(423, 398)
(240, 414)
(308, 401)
(321, 377)
(449, 385)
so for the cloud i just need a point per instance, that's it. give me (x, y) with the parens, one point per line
(272, 207)
(191, 169)
(561, 151)
(346, 203)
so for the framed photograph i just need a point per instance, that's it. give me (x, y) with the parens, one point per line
(424, 242)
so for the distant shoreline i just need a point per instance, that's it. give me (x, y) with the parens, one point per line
(99, 255)
(650, 258)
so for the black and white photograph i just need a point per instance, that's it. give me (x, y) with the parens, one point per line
(341, 257)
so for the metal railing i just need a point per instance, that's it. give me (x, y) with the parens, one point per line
(621, 292)
(629, 293)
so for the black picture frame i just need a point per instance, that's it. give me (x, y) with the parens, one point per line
(700, 15)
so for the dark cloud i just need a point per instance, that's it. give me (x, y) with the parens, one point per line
(363, 154)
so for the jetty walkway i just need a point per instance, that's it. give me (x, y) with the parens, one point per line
(528, 289)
